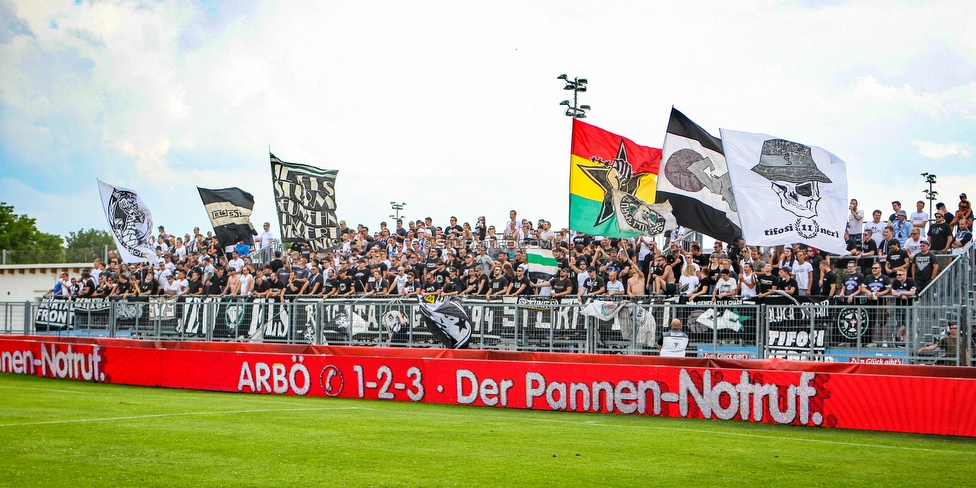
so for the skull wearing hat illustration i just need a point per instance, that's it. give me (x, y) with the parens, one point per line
(794, 175)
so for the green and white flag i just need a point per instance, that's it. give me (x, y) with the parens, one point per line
(542, 265)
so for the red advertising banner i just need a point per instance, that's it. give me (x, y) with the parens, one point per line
(927, 400)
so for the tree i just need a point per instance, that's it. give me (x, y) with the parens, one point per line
(86, 245)
(19, 233)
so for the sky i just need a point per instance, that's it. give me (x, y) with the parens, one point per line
(453, 107)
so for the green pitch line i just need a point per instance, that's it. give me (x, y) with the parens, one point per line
(64, 433)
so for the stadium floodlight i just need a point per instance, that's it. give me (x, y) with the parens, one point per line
(577, 85)
(398, 207)
(930, 194)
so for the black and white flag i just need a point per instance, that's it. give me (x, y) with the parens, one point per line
(131, 223)
(305, 199)
(696, 180)
(447, 321)
(229, 210)
(787, 192)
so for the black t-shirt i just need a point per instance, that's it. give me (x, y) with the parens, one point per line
(559, 286)
(216, 285)
(481, 285)
(528, 290)
(431, 286)
(330, 284)
(593, 283)
(581, 240)
(360, 277)
(876, 284)
(317, 278)
(923, 266)
(277, 264)
(705, 285)
(906, 285)
(896, 259)
(450, 286)
(765, 282)
(193, 286)
(499, 283)
(87, 288)
(852, 282)
(789, 284)
(345, 284)
(939, 236)
(829, 279)
(261, 286)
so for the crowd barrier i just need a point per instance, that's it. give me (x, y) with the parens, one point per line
(926, 400)
(806, 328)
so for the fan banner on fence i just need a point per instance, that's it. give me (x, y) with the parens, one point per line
(696, 180)
(229, 210)
(612, 185)
(787, 192)
(447, 321)
(542, 265)
(131, 223)
(305, 199)
(603, 310)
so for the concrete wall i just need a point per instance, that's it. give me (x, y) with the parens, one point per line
(21, 282)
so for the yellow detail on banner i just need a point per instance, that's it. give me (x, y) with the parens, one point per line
(583, 186)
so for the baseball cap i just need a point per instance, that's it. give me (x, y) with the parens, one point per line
(902, 213)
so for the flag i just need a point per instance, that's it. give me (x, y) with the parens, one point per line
(612, 185)
(542, 265)
(696, 180)
(447, 321)
(603, 310)
(787, 192)
(229, 210)
(305, 199)
(131, 223)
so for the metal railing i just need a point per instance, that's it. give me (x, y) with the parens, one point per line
(817, 329)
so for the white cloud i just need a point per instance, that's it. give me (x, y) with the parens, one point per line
(939, 151)
(453, 108)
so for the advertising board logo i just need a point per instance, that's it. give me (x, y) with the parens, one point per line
(331, 381)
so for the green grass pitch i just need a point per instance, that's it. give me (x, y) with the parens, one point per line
(66, 433)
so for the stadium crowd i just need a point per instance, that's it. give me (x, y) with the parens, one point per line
(895, 257)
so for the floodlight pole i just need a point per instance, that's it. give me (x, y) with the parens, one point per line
(398, 207)
(930, 194)
(577, 85)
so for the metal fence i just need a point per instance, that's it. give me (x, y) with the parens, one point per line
(818, 329)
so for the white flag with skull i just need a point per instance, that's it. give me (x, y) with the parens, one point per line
(130, 222)
(787, 192)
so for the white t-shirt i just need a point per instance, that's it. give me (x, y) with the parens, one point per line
(919, 219)
(800, 273)
(725, 285)
(688, 284)
(615, 287)
(876, 231)
(912, 246)
(266, 238)
(855, 226)
(745, 290)
(245, 283)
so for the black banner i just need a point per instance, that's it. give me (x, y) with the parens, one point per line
(229, 210)
(305, 199)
